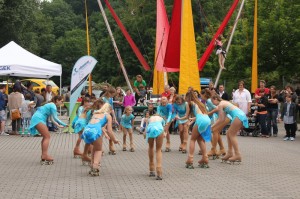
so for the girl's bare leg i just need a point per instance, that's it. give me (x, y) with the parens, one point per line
(85, 158)
(43, 130)
(76, 152)
(166, 128)
(235, 126)
(194, 137)
(159, 143)
(151, 156)
(180, 128)
(131, 140)
(124, 138)
(185, 137)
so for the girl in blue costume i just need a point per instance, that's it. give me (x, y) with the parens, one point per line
(127, 122)
(201, 130)
(86, 160)
(84, 115)
(239, 119)
(93, 132)
(154, 133)
(107, 97)
(216, 129)
(38, 124)
(181, 108)
(165, 111)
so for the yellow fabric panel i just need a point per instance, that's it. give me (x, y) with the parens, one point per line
(254, 81)
(158, 79)
(189, 73)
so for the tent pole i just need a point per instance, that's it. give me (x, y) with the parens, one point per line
(115, 46)
(230, 39)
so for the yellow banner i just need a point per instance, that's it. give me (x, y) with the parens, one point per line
(189, 73)
(254, 81)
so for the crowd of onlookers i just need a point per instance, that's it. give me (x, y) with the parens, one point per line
(23, 100)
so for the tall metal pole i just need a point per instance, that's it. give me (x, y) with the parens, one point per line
(115, 46)
(88, 44)
(230, 39)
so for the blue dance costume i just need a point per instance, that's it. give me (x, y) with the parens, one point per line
(210, 106)
(181, 110)
(82, 122)
(165, 112)
(154, 129)
(41, 116)
(109, 101)
(126, 121)
(93, 131)
(237, 113)
(203, 122)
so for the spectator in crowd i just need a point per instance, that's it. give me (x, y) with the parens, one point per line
(29, 90)
(143, 93)
(272, 109)
(242, 98)
(3, 114)
(222, 93)
(39, 98)
(150, 110)
(262, 112)
(15, 102)
(288, 90)
(262, 85)
(172, 95)
(139, 80)
(288, 115)
(118, 101)
(93, 97)
(49, 93)
(166, 92)
(105, 87)
(67, 95)
(129, 99)
(26, 113)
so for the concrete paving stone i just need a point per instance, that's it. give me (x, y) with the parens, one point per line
(270, 169)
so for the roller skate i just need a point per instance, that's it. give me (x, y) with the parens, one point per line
(112, 152)
(180, 149)
(200, 152)
(203, 163)
(189, 163)
(237, 159)
(132, 148)
(86, 160)
(212, 155)
(47, 161)
(159, 173)
(124, 147)
(94, 172)
(152, 174)
(226, 157)
(167, 149)
(77, 154)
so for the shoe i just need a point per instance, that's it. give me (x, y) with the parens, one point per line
(286, 138)
(292, 138)
(3, 133)
(274, 135)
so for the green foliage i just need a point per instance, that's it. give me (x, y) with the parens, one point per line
(55, 30)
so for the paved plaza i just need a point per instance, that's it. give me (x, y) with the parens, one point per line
(270, 169)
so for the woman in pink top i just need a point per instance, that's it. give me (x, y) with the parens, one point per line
(220, 52)
(129, 99)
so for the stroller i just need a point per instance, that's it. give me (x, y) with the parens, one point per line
(254, 127)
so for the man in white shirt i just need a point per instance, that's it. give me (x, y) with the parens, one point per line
(243, 98)
(49, 93)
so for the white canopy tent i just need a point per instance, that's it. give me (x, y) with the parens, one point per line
(16, 61)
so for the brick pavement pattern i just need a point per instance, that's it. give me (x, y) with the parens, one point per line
(270, 169)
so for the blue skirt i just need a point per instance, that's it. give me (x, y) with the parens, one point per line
(204, 128)
(80, 125)
(238, 113)
(154, 129)
(91, 133)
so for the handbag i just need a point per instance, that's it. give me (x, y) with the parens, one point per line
(15, 114)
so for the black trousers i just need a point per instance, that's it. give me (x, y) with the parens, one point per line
(290, 130)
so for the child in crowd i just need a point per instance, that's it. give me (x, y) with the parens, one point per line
(262, 112)
(144, 121)
(129, 99)
(26, 108)
(127, 122)
(288, 115)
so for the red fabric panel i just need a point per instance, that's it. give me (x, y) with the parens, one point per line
(127, 36)
(172, 57)
(211, 46)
